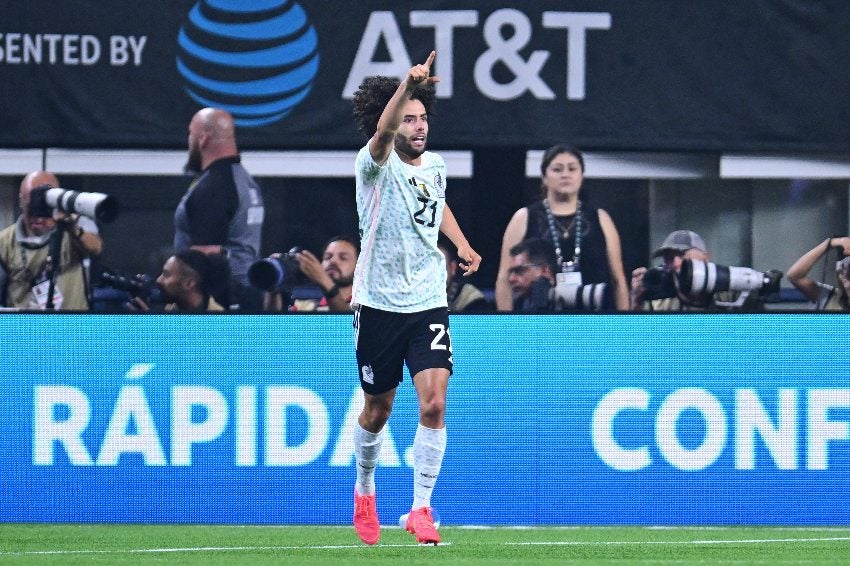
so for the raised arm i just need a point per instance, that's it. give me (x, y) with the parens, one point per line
(798, 273)
(381, 143)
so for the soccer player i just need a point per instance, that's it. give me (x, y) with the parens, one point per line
(399, 291)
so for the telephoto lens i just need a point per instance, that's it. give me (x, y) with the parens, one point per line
(275, 272)
(705, 278)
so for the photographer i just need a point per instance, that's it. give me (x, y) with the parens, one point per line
(822, 295)
(334, 276)
(29, 277)
(187, 282)
(531, 275)
(660, 288)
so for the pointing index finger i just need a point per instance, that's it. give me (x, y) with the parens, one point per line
(430, 59)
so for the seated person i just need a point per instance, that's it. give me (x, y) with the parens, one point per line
(462, 296)
(187, 282)
(334, 276)
(822, 295)
(658, 289)
(531, 275)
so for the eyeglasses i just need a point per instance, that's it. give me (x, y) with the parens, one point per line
(520, 269)
(670, 255)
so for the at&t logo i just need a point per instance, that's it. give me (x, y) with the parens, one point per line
(254, 58)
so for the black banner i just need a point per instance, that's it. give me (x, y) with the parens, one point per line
(604, 75)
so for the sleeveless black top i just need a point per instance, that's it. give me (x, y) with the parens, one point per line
(593, 262)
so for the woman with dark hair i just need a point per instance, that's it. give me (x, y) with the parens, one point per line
(585, 240)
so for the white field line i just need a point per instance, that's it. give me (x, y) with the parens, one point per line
(356, 546)
(210, 549)
(672, 542)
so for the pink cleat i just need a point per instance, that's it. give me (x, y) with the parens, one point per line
(420, 523)
(366, 521)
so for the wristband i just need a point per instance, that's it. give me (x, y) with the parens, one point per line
(332, 292)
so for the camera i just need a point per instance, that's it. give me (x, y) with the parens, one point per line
(706, 278)
(570, 295)
(589, 297)
(659, 283)
(276, 273)
(700, 279)
(141, 286)
(97, 206)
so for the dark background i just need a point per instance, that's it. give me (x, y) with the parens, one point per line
(308, 211)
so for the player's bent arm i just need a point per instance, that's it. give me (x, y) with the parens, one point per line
(449, 226)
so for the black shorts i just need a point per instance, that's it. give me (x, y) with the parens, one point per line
(385, 341)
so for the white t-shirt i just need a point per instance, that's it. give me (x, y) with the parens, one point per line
(400, 268)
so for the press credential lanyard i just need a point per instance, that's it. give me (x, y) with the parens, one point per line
(566, 266)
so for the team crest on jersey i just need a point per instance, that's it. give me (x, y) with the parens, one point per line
(438, 182)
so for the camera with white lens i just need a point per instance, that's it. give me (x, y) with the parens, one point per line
(97, 206)
(569, 294)
(701, 278)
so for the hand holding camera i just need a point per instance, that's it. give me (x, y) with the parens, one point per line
(142, 290)
(312, 268)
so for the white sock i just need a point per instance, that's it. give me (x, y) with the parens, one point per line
(429, 445)
(367, 449)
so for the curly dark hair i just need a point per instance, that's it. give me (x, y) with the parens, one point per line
(372, 96)
(213, 271)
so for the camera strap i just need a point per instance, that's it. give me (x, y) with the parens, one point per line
(54, 258)
(572, 265)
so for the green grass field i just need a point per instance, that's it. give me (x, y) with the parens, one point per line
(194, 544)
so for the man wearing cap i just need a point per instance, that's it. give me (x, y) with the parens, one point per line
(657, 289)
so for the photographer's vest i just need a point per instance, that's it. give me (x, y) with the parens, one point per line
(26, 267)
